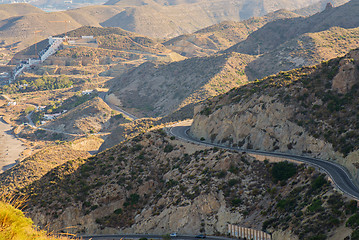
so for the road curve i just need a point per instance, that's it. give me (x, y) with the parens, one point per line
(148, 236)
(338, 173)
(116, 108)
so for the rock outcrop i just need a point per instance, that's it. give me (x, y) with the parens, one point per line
(261, 123)
(348, 74)
(329, 6)
(309, 111)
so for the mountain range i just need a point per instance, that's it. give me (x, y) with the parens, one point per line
(284, 82)
(159, 19)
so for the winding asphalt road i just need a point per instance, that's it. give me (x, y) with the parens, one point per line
(338, 173)
(148, 236)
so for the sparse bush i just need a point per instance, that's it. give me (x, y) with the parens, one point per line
(318, 182)
(132, 200)
(207, 111)
(236, 202)
(353, 221)
(168, 148)
(118, 211)
(283, 170)
(316, 206)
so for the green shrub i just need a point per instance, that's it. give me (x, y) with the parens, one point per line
(207, 111)
(236, 202)
(287, 204)
(132, 200)
(283, 170)
(232, 182)
(316, 206)
(355, 235)
(353, 221)
(318, 237)
(136, 148)
(118, 211)
(318, 182)
(168, 148)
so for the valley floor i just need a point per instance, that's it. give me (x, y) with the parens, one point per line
(10, 147)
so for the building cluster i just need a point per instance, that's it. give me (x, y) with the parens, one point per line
(55, 43)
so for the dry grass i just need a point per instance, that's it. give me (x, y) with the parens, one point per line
(15, 226)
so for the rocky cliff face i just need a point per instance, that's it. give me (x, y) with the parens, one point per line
(299, 112)
(261, 123)
(348, 74)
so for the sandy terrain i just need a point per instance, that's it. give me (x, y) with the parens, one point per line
(10, 147)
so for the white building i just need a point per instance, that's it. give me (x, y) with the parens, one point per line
(87, 92)
(11, 103)
(51, 116)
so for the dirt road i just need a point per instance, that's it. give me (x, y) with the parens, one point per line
(10, 147)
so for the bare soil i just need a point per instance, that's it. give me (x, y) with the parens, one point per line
(11, 148)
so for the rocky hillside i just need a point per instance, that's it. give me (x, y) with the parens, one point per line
(35, 166)
(221, 36)
(156, 89)
(156, 184)
(138, 88)
(278, 32)
(90, 117)
(126, 131)
(319, 7)
(176, 18)
(18, 9)
(312, 110)
(306, 50)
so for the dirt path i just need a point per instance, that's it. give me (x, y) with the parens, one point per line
(10, 147)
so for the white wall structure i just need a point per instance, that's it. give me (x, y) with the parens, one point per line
(54, 45)
(248, 233)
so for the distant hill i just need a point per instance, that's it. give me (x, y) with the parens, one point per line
(318, 7)
(278, 32)
(221, 36)
(159, 19)
(19, 31)
(119, 39)
(177, 17)
(17, 9)
(305, 50)
(156, 89)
